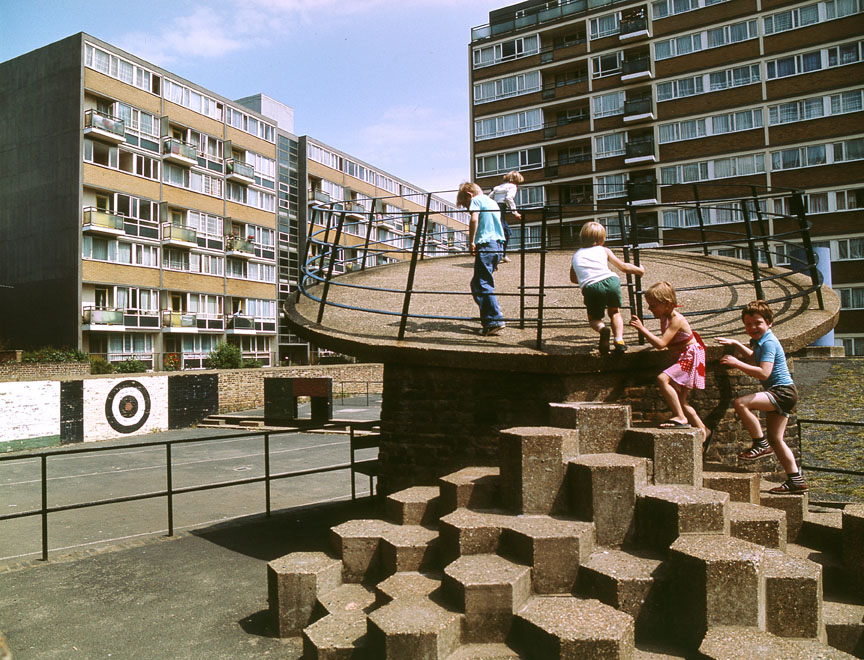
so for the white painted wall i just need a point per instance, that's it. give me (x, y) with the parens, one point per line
(29, 409)
(128, 399)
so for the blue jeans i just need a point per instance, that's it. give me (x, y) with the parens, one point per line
(483, 284)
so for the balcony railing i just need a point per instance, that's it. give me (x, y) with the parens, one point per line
(565, 8)
(639, 148)
(641, 106)
(178, 234)
(319, 196)
(636, 66)
(178, 151)
(633, 25)
(239, 322)
(102, 222)
(239, 246)
(178, 319)
(642, 190)
(239, 171)
(101, 125)
(103, 316)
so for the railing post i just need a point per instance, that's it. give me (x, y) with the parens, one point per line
(428, 206)
(369, 226)
(522, 272)
(797, 207)
(412, 269)
(631, 294)
(169, 487)
(334, 247)
(44, 468)
(754, 259)
(702, 238)
(267, 473)
(637, 280)
(542, 283)
(761, 219)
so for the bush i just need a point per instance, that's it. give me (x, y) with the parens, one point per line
(251, 363)
(224, 356)
(171, 362)
(51, 354)
(99, 365)
(130, 367)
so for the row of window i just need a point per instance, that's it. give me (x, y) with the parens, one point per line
(713, 38)
(823, 58)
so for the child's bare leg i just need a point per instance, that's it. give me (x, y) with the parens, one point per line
(776, 430)
(596, 324)
(690, 412)
(670, 395)
(617, 322)
(744, 407)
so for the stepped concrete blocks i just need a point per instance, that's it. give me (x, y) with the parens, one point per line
(348, 598)
(663, 513)
(485, 652)
(406, 585)
(413, 628)
(853, 543)
(552, 547)
(294, 583)
(741, 486)
(600, 425)
(470, 488)
(758, 524)
(793, 596)
(676, 454)
(602, 488)
(413, 506)
(358, 543)
(533, 466)
(715, 581)
(467, 532)
(727, 642)
(823, 530)
(573, 629)
(795, 507)
(335, 637)
(844, 626)
(408, 548)
(490, 590)
(627, 582)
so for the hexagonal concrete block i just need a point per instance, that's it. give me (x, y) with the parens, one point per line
(413, 506)
(471, 487)
(675, 454)
(409, 584)
(600, 425)
(663, 513)
(853, 543)
(795, 507)
(335, 637)
(758, 524)
(408, 548)
(294, 583)
(466, 532)
(793, 596)
(347, 599)
(413, 628)
(725, 642)
(741, 486)
(357, 542)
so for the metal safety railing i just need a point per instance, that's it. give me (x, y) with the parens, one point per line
(170, 490)
(636, 223)
(822, 467)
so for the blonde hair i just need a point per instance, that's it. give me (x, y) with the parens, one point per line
(593, 233)
(759, 307)
(662, 292)
(514, 177)
(466, 191)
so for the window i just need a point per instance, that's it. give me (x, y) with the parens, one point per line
(848, 150)
(720, 168)
(679, 88)
(743, 75)
(189, 98)
(665, 8)
(613, 185)
(606, 146)
(814, 60)
(517, 122)
(677, 46)
(792, 19)
(849, 199)
(793, 111)
(736, 77)
(730, 34)
(507, 50)
(249, 124)
(607, 105)
(736, 121)
(606, 65)
(852, 345)
(847, 102)
(683, 130)
(492, 90)
(206, 264)
(817, 203)
(605, 26)
(683, 217)
(511, 160)
(530, 196)
(116, 67)
(850, 248)
(99, 153)
(851, 298)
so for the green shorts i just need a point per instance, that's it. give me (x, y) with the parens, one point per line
(602, 294)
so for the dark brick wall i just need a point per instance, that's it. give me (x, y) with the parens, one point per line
(191, 399)
(71, 411)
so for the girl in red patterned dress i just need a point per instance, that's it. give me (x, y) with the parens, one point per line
(688, 372)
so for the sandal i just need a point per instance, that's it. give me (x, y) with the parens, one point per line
(605, 335)
(674, 424)
(755, 452)
(789, 487)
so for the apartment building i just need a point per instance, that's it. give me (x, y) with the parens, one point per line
(599, 102)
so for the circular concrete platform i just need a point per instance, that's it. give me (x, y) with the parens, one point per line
(568, 343)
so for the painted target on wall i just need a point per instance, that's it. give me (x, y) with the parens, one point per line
(127, 406)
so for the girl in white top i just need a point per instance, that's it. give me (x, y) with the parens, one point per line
(505, 195)
(601, 288)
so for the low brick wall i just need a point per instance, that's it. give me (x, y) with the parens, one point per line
(14, 371)
(243, 389)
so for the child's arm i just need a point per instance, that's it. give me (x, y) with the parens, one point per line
(623, 266)
(746, 351)
(573, 277)
(760, 372)
(472, 229)
(668, 335)
(511, 202)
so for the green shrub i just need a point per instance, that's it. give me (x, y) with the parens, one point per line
(172, 362)
(51, 354)
(224, 356)
(99, 365)
(251, 363)
(130, 367)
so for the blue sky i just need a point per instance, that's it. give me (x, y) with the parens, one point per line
(385, 82)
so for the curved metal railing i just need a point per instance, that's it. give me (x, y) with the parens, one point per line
(408, 237)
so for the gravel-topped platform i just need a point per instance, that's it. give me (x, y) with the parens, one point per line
(441, 289)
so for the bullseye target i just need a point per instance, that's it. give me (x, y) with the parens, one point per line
(127, 406)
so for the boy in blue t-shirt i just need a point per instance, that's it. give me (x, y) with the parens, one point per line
(767, 362)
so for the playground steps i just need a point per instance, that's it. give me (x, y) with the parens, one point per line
(627, 550)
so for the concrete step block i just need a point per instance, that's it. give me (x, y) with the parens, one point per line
(573, 629)
(714, 581)
(346, 599)
(676, 455)
(822, 530)
(844, 626)
(413, 506)
(741, 486)
(470, 488)
(655, 651)
(413, 628)
(758, 524)
(409, 584)
(357, 543)
(600, 425)
(602, 489)
(533, 467)
(485, 652)
(294, 583)
(740, 643)
(628, 582)
(663, 513)
(835, 582)
(793, 596)
(408, 548)
(853, 544)
(553, 548)
(489, 590)
(467, 532)
(336, 637)
(795, 507)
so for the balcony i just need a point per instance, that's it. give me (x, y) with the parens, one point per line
(240, 325)
(640, 193)
(632, 28)
(638, 109)
(104, 127)
(639, 151)
(237, 247)
(96, 221)
(177, 151)
(319, 196)
(179, 236)
(239, 171)
(355, 209)
(564, 8)
(102, 316)
(179, 321)
(636, 69)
